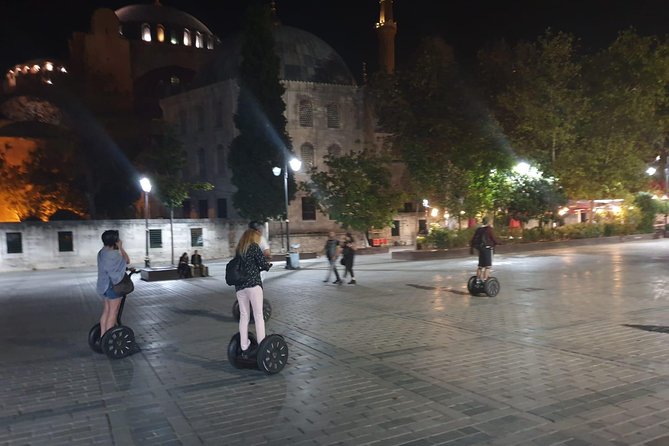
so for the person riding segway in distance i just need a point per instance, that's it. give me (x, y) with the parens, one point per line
(484, 241)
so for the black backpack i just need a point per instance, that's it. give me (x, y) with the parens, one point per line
(484, 239)
(481, 239)
(235, 273)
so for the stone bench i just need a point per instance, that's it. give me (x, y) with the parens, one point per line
(303, 256)
(204, 270)
(159, 273)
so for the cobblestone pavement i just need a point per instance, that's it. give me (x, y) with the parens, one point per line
(406, 356)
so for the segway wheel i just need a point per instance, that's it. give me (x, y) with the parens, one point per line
(235, 350)
(491, 287)
(272, 354)
(471, 285)
(118, 342)
(266, 311)
(94, 338)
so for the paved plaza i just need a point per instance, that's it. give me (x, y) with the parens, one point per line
(405, 357)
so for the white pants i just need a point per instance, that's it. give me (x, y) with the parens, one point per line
(253, 297)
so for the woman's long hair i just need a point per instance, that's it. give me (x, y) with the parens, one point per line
(249, 237)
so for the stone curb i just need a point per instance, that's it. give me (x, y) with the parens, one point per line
(430, 254)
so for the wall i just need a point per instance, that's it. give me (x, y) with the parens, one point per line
(41, 251)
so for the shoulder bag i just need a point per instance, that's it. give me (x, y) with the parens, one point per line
(125, 286)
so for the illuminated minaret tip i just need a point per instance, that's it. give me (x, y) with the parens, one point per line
(275, 16)
(386, 28)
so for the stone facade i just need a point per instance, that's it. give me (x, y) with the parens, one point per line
(44, 245)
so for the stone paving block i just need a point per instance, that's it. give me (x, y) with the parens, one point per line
(387, 363)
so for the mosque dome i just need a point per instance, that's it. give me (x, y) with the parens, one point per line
(159, 14)
(305, 57)
(302, 57)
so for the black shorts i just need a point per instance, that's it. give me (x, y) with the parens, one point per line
(485, 257)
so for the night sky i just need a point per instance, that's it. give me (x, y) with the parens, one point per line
(41, 28)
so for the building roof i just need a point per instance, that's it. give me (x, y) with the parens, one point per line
(302, 57)
(305, 57)
(160, 14)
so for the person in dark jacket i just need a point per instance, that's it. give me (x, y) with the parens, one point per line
(348, 254)
(183, 268)
(196, 261)
(484, 241)
(250, 292)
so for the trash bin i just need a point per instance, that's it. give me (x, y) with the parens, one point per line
(293, 260)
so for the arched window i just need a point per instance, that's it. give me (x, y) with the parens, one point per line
(199, 41)
(201, 164)
(307, 155)
(332, 113)
(306, 113)
(160, 33)
(210, 42)
(334, 150)
(186, 37)
(146, 32)
(220, 160)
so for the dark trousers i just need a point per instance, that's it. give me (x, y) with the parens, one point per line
(348, 267)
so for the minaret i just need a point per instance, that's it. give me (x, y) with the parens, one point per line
(274, 14)
(386, 28)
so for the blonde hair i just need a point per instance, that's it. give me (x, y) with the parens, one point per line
(249, 237)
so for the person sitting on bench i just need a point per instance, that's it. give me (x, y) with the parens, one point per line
(183, 268)
(196, 264)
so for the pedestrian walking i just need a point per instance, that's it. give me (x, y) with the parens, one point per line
(348, 254)
(332, 252)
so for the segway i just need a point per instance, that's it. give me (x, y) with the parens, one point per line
(270, 356)
(119, 341)
(477, 286)
(266, 311)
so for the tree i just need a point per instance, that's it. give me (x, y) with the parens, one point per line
(441, 130)
(590, 121)
(262, 142)
(164, 161)
(51, 179)
(649, 208)
(355, 190)
(536, 91)
(534, 198)
(627, 126)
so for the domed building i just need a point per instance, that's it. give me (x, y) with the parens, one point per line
(140, 53)
(324, 111)
(153, 60)
(129, 59)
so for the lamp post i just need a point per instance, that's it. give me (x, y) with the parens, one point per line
(295, 165)
(146, 187)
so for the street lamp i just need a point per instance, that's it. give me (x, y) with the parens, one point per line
(146, 187)
(295, 165)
